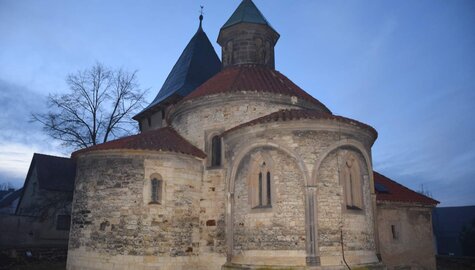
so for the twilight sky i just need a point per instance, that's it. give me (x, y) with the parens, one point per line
(405, 67)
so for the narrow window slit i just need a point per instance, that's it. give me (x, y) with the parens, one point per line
(260, 189)
(269, 201)
(216, 151)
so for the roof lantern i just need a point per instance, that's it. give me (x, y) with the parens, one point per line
(248, 38)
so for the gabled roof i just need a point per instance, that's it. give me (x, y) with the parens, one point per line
(396, 192)
(197, 63)
(294, 114)
(163, 139)
(251, 78)
(247, 12)
(55, 173)
(7, 201)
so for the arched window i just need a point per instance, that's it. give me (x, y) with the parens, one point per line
(261, 188)
(352, 184)
(216, 151)
(156, 191)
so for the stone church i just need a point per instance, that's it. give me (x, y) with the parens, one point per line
(237, 167)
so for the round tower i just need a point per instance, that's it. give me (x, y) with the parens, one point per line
(247, 38)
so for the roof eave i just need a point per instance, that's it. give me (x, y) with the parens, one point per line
(80, 153)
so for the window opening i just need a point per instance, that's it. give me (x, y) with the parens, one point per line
(216, 151)
(261, 187)
(268, 189)
(156, 190)
(394, 232)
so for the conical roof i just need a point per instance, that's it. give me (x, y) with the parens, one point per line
(252, 78)
(247, 12)
(197, 63)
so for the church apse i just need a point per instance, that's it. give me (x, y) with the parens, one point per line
(269, 208)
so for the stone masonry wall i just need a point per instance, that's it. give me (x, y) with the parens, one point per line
(212, 219)
(214, 118)
(248, 44)
(222, 115)
(411, 245)
(281, 227)
(333, 217)
(114, 228)
(309, 141)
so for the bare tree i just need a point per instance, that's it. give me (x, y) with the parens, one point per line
(98, 107)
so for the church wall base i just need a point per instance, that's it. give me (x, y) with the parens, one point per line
(231, 266)
(80, 259)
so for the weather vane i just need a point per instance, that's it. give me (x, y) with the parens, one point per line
(201, 14)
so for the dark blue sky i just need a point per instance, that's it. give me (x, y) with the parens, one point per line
(405, 67)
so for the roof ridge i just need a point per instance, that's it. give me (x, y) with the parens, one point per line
(48, 155)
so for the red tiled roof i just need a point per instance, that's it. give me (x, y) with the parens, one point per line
(251, 78)
(163, 139)
(399, 193)
(288, 115)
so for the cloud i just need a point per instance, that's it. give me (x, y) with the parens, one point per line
(18, 103)
(19, 138)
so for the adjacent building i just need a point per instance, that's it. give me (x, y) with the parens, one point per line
(43, 215)
(404, 220)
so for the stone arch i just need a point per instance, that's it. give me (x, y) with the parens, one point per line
(246, 150)
(351, 179)
(359, 148)
(230, 182)
(355, 145)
